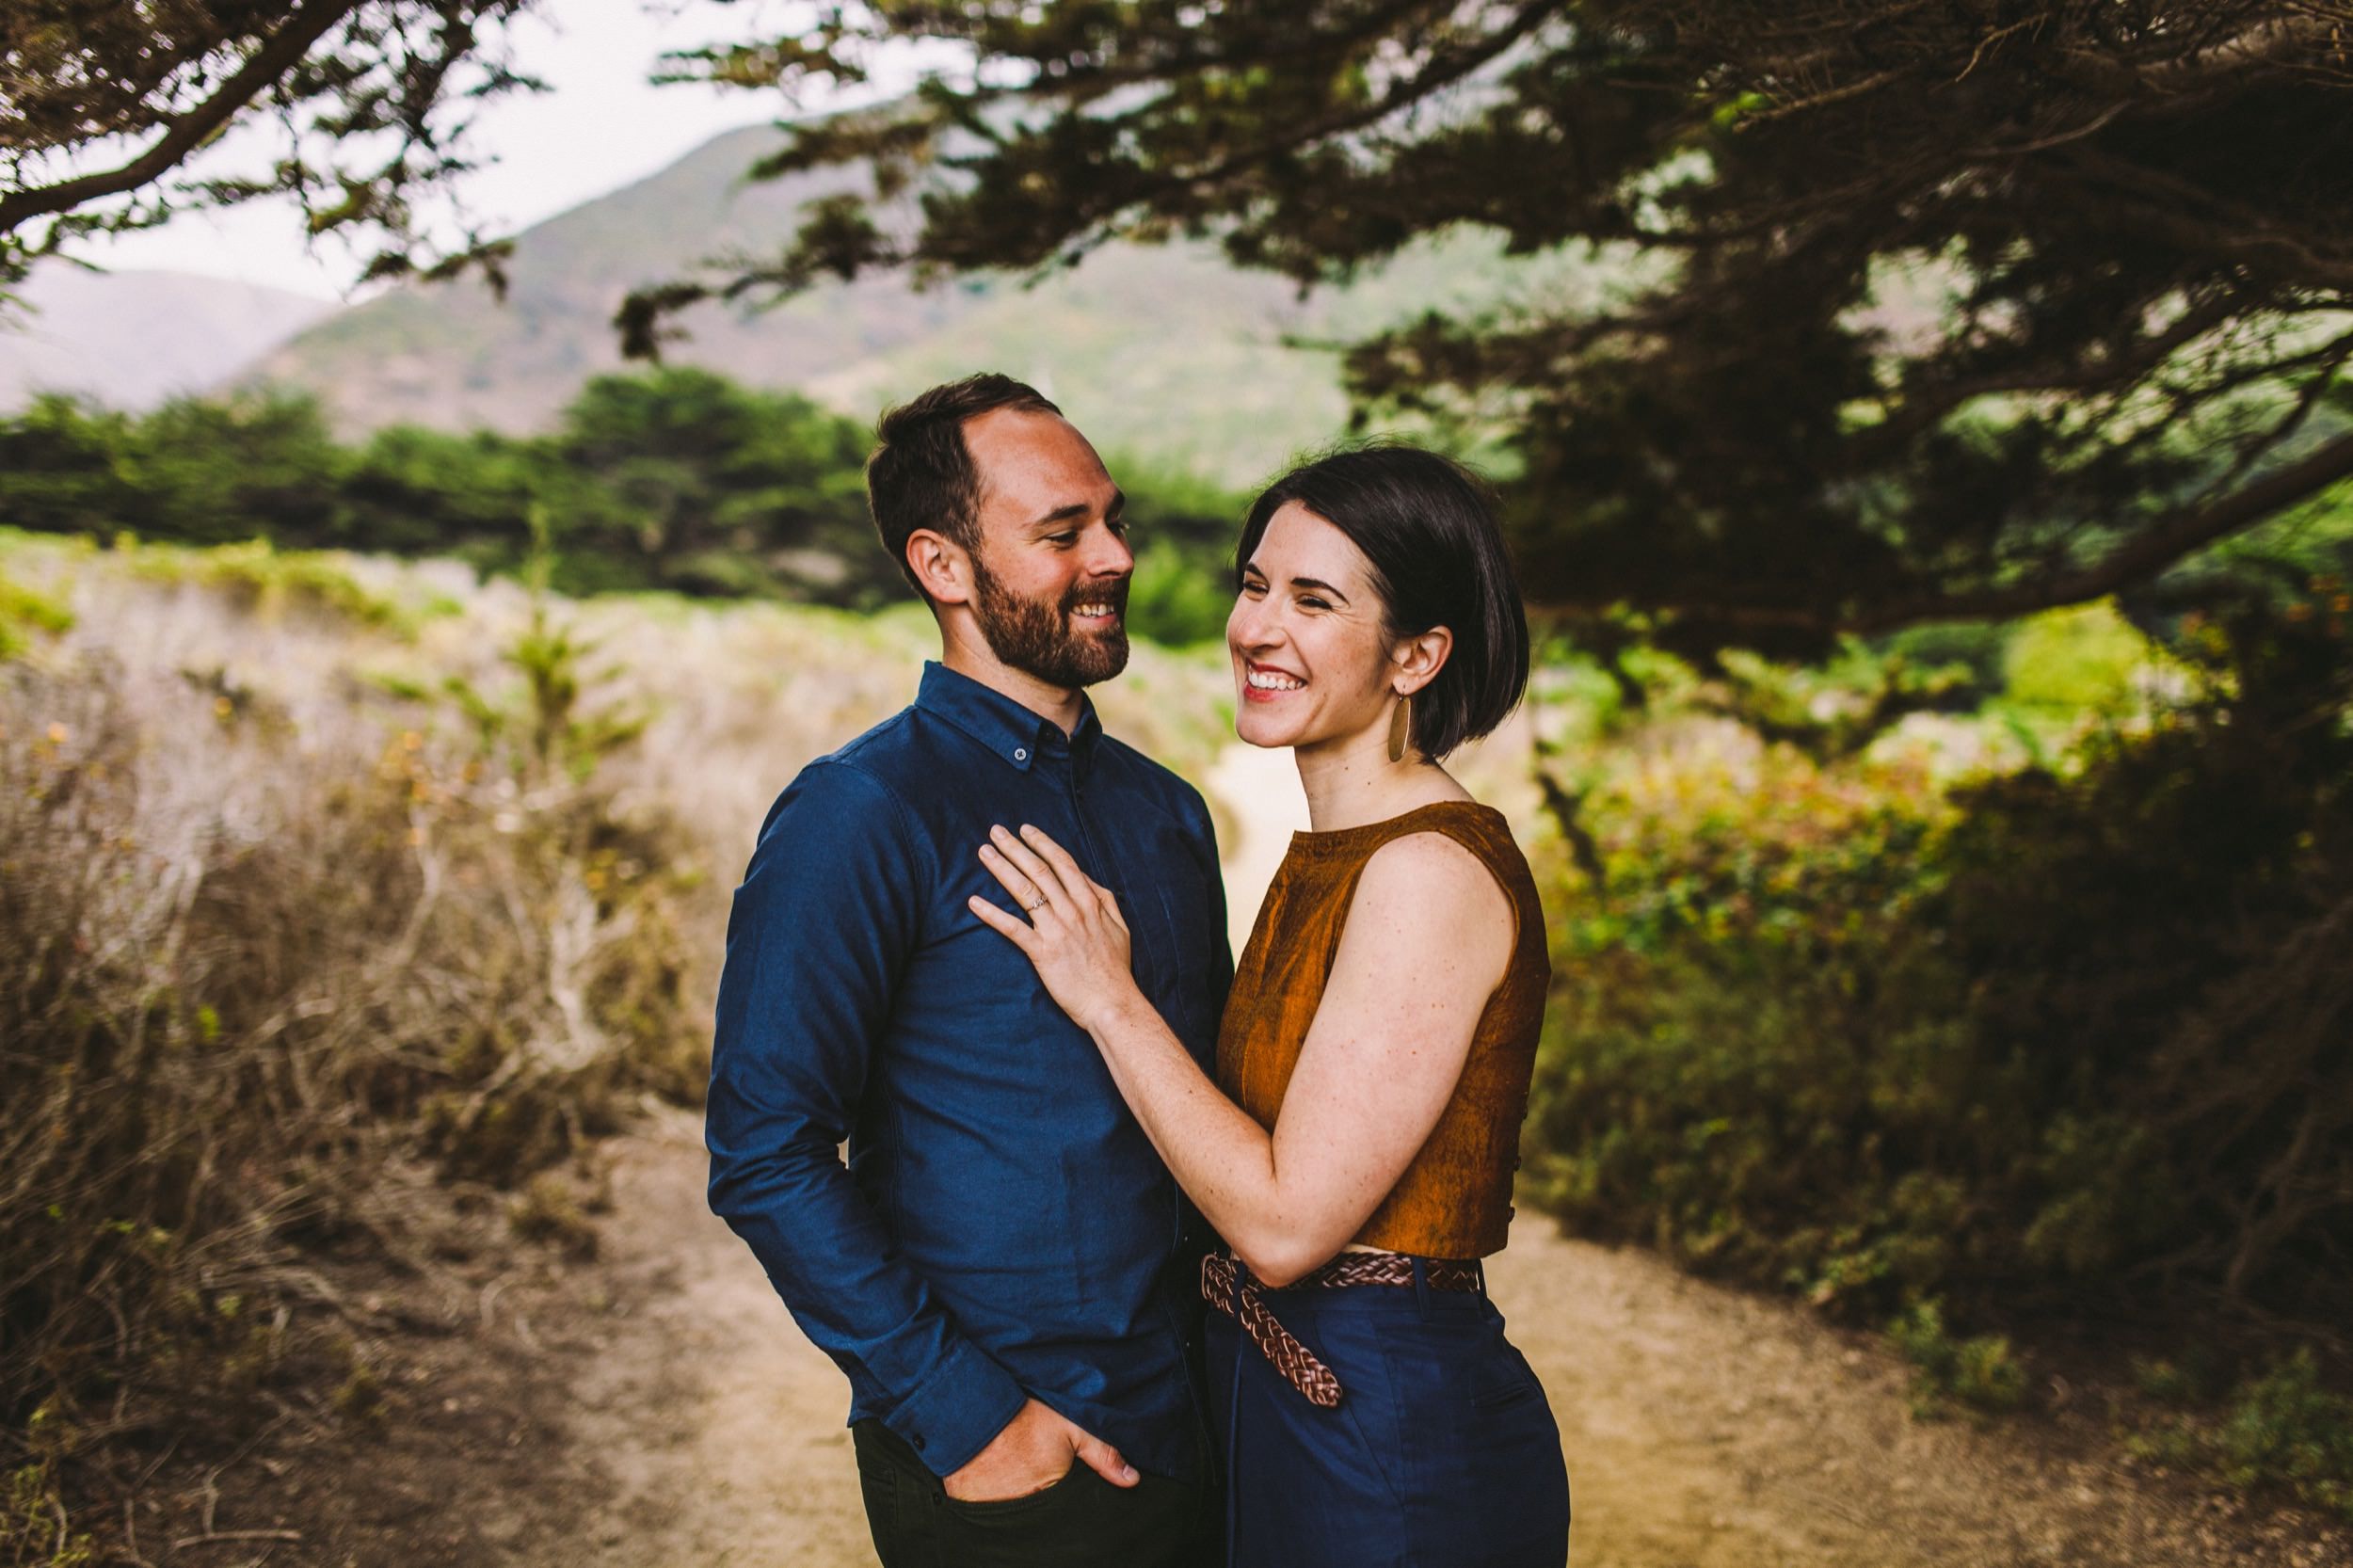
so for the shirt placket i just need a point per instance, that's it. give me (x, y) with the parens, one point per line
(1104, 872)
(1059, 760)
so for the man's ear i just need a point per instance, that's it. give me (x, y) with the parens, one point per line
(941, 565)
(1418, 660)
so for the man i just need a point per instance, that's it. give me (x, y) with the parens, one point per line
(1004, 1269)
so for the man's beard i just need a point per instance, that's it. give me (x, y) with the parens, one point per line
(1037, 638)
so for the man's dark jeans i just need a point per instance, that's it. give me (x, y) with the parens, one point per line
(1082, 1521)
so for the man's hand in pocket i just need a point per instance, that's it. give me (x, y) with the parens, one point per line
(1036, 1448)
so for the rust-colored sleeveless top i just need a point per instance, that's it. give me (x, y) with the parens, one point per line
(1455, 1199)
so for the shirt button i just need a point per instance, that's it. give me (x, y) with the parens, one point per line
(918, 1442)
(1021, 754)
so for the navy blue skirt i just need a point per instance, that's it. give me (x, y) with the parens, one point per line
(1442, 1452)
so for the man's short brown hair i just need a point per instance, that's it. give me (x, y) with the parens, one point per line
(921, 474)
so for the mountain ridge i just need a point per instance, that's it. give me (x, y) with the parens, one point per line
(1166, 351)
(133, 338)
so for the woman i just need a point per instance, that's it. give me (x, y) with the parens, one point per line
(1356, 1149)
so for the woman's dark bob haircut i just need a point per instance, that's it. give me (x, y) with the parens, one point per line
(1428, 526)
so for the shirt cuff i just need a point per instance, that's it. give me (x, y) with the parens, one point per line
(958, 1411)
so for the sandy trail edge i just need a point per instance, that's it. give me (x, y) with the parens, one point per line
(1705, 1428)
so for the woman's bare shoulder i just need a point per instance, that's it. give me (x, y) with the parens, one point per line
(1428, 863)
(1427, 887)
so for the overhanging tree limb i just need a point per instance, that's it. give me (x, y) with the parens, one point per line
(368, 103)
(189, 129)
(2153, 549)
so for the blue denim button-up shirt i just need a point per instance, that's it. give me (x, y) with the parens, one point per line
(1003, 1227)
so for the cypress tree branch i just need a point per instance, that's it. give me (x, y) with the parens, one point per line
(189, 130)
(2155, 548)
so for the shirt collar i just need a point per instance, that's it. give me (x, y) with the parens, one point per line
(1002, 724)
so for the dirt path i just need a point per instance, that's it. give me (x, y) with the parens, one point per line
(715, 1428)
(1705, 1428)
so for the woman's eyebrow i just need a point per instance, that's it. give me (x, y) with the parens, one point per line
(1316, 585)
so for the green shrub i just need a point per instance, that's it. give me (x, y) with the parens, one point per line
(2077, 662)
(1827, 1028)
(35, 1530)
(546, 726)
(1177, 598)
(2284, 1427)
(24, 615)
(1742, 1024)
(2280, 1429)
(1977, 652)
(259, 579)
(1981, 1372)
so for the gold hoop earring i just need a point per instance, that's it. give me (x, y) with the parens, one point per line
(1401, 728)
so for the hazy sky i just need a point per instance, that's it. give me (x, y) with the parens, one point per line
(600, 126)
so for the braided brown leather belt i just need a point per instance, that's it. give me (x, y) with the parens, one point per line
(1223, 1287)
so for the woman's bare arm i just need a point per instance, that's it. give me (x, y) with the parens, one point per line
(1428, 939)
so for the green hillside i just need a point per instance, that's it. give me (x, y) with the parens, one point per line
(1165, 351)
